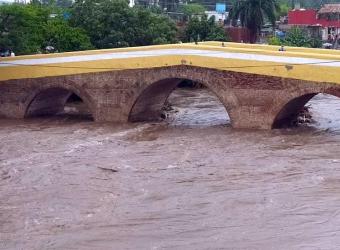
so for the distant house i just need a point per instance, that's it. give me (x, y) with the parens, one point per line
(329, 18)
(325, 22)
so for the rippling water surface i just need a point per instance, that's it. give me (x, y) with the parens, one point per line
(192, 182)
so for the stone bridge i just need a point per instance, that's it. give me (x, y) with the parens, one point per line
(260, 87)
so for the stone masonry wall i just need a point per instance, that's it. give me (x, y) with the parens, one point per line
(252, 101)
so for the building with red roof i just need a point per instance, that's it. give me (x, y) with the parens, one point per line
(327, 19)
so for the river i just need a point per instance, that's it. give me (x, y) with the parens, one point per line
(190, 182)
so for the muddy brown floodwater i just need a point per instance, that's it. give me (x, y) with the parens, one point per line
(192, 182)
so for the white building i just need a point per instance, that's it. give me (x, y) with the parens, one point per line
(219, 17)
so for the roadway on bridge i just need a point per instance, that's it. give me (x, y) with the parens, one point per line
(298, 63)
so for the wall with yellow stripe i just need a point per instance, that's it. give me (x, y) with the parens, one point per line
(315, 73)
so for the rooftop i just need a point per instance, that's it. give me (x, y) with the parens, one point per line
(330, 8)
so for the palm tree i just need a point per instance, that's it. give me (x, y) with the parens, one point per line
(252, 14)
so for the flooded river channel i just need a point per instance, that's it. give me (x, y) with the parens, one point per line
(190, 182)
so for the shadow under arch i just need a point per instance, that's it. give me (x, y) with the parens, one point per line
(149, 103)
(290, 111)
(51, 100)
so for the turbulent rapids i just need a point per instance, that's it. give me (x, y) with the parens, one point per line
(188, 182)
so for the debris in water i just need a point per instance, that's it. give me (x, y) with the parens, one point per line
(303, 117)
(108, 169)
(167, 109)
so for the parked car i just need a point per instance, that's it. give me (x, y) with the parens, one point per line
(5, 52)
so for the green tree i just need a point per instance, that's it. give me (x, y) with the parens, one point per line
(204, 29)
(112, 23)
(28, 29)
(283, 10)
(193, 9)
(252, 14)
(274, 40)
(149, 28)
(21, 27)
(297, 37)
(64, 37)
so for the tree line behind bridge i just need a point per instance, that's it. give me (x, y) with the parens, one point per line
(44, 26)
(40, 28)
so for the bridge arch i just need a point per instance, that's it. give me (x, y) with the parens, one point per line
(149, 101)
(289, 110)
(50, 99)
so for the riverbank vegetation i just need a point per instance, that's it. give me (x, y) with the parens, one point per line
(59, 26)
(31, 28)
(296, 37)
(45, 26)
(28, 29)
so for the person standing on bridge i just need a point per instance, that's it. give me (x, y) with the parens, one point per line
(336, 42)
